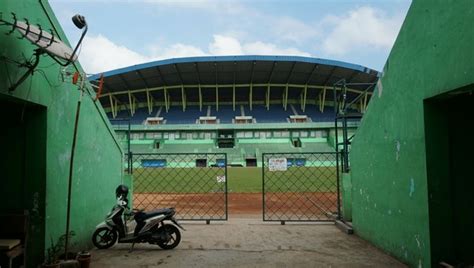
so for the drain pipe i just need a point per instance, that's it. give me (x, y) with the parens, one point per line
(71, 168)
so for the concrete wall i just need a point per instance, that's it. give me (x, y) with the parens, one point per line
(98, 159)
(433, 54)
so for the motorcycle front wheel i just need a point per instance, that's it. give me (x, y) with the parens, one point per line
(104, 238)
(169, 236)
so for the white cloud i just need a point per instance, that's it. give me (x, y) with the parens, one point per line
(99, 54)
(261, 48)
(291, 29)
(177, 50)
(225, 45)
(364, 27)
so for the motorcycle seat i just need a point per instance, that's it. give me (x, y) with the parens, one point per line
(152, 213)
(157, 212)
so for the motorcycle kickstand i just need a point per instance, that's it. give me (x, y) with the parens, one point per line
(131, 249)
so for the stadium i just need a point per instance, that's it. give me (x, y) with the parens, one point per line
(313, 144)
(241, 105)
(230, 112)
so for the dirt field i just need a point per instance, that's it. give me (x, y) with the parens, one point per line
(302, 206)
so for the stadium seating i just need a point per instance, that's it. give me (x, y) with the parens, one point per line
(225, 114)
(313, 112)
(176, 115)
(276, 113)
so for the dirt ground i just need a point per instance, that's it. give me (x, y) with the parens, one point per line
(305, 206)
(249, 242)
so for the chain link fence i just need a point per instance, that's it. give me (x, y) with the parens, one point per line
(195, 184)
(300, 187)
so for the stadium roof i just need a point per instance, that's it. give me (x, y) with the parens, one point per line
(186, 75)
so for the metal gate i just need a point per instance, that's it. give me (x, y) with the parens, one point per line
(300, 187)
(193, 183)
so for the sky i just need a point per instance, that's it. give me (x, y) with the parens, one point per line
(128, 32)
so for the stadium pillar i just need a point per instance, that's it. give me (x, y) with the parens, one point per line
(200, 98)
(233, 97)
(322, 99)
(268, 97)
(183, 98)
(149, 101)
(165, 93)
(365, 101)
(132, 102)
(286, 97)
(304, 97)
(250, 96)
(217, 98)
(112, 106)
(116, 105)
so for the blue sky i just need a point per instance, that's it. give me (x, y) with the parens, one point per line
(123, 33)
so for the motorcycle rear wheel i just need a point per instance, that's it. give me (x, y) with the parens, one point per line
(171, 234)
(104, 238)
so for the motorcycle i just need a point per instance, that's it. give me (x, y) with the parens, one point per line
(137, 226)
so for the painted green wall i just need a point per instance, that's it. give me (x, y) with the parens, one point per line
(346, 191)
(433, 54)
(98, 159)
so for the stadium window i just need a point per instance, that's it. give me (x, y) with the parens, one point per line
(304, 134)
(207, 135)
(312, 134)
(295, 134)
(324, 134)
(240, 134)
(256, 134)
(201, 162)
(149, 135)
(277, 134)
(195, 135)
(189, 136)
(248, 134)
(296, 143)
(157, 135)
(251, 162)
(213, 135)
(285, 134)
(166, 135)
(262, 135)
(268, 134)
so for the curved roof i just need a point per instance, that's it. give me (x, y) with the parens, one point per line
(232, 70)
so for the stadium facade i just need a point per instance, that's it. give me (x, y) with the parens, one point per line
(240, 105)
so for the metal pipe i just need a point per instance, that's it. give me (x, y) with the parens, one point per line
(71, 169)
(129, 159)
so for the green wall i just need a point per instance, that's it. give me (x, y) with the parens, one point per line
(98, 159)
(433, 54)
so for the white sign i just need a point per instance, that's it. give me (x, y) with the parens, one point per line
(277, 164)
(221, 178)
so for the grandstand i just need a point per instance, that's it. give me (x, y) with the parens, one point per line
(240, 105)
